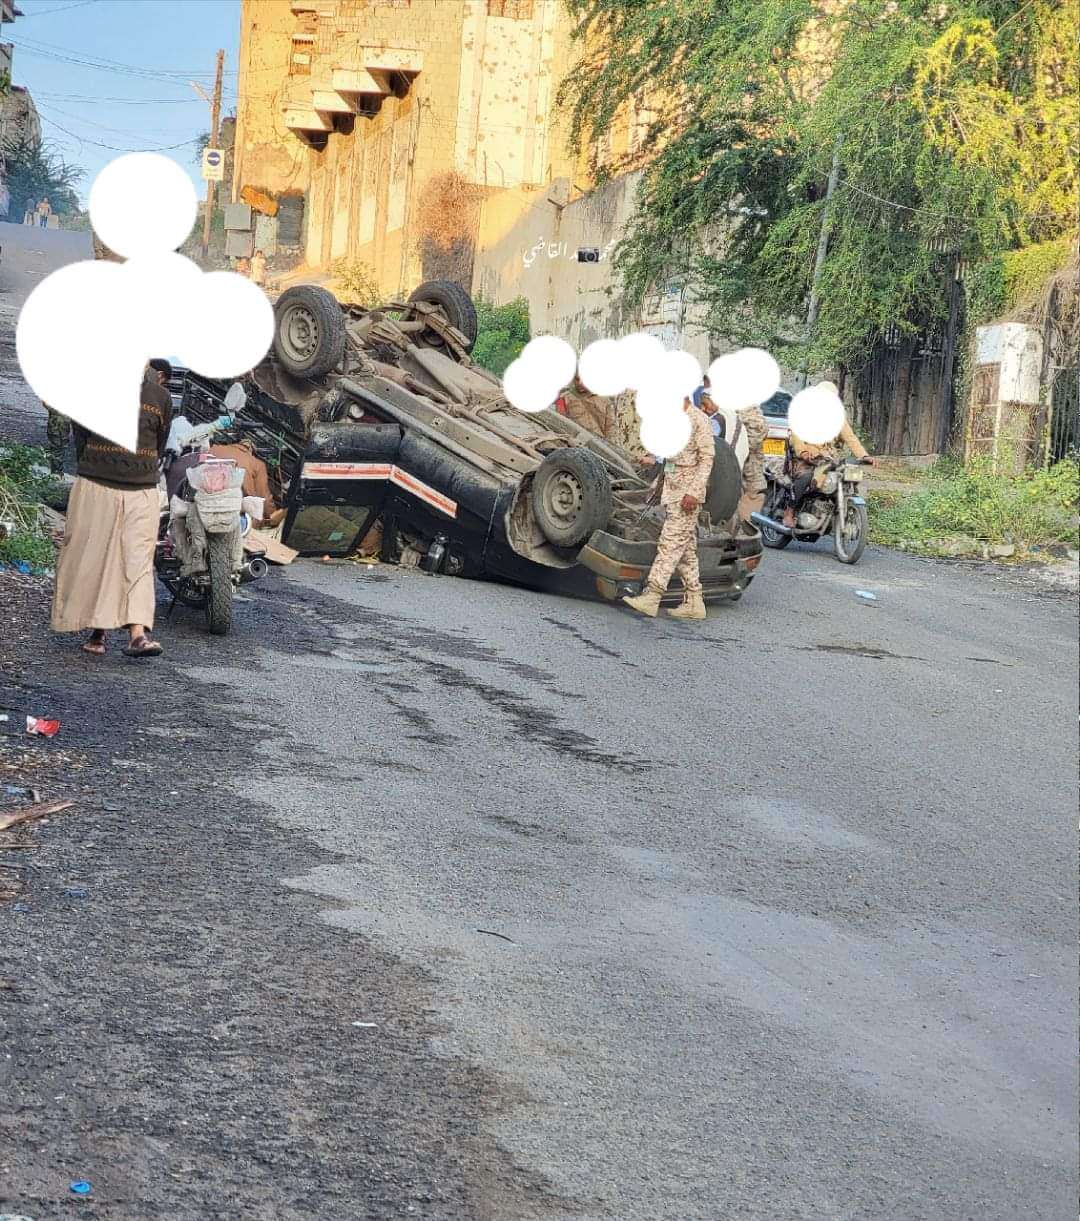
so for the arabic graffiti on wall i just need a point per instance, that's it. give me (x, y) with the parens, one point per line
(560, 250)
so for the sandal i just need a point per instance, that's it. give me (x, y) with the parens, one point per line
(143, 646)
(95, 645)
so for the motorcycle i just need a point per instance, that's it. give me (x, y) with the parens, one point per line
(200, 556)
(831, 504)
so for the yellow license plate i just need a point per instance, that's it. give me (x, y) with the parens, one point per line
(773, 445)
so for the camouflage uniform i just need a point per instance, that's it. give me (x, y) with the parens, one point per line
(57, 431)
(687, 474)
(590, 411)
(753, 472)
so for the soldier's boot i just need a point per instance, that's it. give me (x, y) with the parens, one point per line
(647, 602)
(692, 607)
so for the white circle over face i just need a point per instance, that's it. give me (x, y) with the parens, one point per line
(143, 203)
(639, 352)
(164, 292)
(601, 368)
(234, 329)
(816, 415)
(666, 433)
(526, 388)
(553, 358)
(81, 350)
(741, 379)
(680, 371)
(656, 398)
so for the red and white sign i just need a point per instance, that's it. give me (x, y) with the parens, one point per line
(381, 470)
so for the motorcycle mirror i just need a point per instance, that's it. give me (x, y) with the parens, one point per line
(235, 399)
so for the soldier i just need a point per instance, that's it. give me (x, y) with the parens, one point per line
(591, 411)
(753, 471)
(57, 432)
(806, 458)
(686, 479)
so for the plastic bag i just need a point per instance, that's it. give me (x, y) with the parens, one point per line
(215, 475)
(254, 506)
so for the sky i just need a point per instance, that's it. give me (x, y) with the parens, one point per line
(119, 73)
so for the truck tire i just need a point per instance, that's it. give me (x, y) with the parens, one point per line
(725, 484)
(309, 331)
(454, 302)
(220, 598)
(571, 496)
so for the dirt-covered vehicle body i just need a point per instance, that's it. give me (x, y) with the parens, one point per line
(380, 415)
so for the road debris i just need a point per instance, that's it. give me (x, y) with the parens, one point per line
(81, 1187)
(42, 726)
(17, 790)
(502, 936)
(76, 892)
(866, 595)
(366, 1025)
(43, 810)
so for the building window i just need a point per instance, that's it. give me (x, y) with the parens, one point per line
(300, 58)
(519, 10)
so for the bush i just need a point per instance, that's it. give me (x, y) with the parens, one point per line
(355, 284)
(23, 488)
(502, 331)
(1030, 510)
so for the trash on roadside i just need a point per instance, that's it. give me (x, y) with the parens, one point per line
(76, 892)
(81, 1187)
(866, 595)
(4, 716)
(366, 1025)
(33, 812)
(42, 726)
(17, 790)
(21, 907)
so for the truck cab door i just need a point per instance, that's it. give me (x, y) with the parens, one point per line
(341, 486)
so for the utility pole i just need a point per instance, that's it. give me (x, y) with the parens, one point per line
(822, 250)
(215, 132)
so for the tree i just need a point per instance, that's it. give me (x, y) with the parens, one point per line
(954, 126)
(34, 170)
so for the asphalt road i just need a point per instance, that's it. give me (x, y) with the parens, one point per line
(772, 916)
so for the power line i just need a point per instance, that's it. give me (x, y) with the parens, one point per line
(44, 12)
(89, 98)
(120, 131)
(168, 148)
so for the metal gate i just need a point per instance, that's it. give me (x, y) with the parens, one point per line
(1063, 435)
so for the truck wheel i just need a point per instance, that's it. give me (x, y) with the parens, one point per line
(454, 302)
(309, 331)
(725, 484)
(220, 598)
(571, 496)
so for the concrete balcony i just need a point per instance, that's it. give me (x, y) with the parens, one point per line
(355, 88)
(305, 120)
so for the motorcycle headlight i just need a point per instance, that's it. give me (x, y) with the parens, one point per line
(829, 483)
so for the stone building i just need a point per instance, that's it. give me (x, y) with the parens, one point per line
(424, 141)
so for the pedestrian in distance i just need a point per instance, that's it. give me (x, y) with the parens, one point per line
(685, 482)
(44, 211)
(105, 569)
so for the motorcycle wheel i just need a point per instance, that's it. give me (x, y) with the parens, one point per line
(220, 599)
(850, 543)
(773, 538)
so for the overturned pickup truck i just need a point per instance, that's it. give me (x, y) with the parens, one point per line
(380, 415)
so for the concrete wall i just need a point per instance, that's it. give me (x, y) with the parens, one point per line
(528, 246)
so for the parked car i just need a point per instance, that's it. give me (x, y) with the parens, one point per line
(775, 411)
(365, 415)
